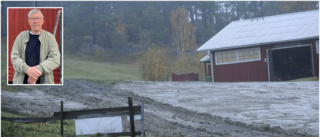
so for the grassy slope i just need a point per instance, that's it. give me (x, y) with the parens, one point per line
(104, 71)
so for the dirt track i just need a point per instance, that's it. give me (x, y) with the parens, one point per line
(161, 119)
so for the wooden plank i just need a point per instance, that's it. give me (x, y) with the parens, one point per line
(80, 114)
(28, 120)
(122, 134)
(76, 114)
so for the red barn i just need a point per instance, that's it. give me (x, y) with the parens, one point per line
(274, 48)
(18, 21)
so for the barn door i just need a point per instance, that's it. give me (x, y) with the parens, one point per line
(270, 64)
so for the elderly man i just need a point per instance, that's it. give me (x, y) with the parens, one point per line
(35, 53)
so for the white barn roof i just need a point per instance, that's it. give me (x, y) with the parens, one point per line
(265, 30)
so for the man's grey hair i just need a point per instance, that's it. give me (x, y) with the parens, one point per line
(33, 11)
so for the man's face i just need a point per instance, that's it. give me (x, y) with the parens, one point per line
(36, 21)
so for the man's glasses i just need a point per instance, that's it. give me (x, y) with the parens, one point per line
(34, 18)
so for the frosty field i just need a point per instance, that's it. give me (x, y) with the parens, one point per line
(290, 105)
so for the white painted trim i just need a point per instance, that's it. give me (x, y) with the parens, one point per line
(211, 62)
(267, 56)
(291, 47)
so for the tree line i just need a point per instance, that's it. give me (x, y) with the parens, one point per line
(129, 26)
(155, 30)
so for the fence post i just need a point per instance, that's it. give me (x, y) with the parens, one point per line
(61, 120)
(142, 119)
(132, 129)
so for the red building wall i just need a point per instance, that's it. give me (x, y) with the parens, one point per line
(256, 70)
(18, 21)
(247, 71)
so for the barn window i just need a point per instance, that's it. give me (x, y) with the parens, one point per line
(249, 54)
(223, 57)
(237, 56)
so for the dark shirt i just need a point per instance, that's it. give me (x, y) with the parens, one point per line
(32, 54)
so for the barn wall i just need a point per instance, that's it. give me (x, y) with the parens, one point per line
(247, 71)
(256, 70)
(18, 21)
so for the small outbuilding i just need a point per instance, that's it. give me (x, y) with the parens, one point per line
(274, 48)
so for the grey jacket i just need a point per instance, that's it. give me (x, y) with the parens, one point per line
(49, 57)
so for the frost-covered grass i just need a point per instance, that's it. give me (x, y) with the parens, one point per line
(290, 105)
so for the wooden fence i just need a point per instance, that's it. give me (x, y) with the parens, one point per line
(185, 77)
(93, 113)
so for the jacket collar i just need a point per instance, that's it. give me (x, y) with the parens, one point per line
(26, 37)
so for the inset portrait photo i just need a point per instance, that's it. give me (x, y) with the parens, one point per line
(35, 37)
